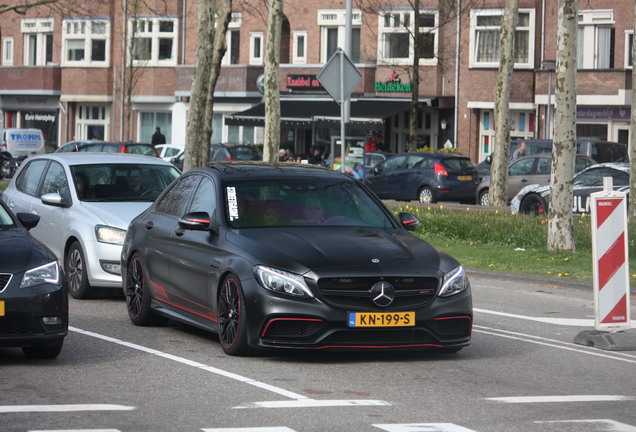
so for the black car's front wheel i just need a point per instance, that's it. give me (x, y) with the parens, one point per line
(232, 322)
(49, 350)
(137, 294)
(533, 204)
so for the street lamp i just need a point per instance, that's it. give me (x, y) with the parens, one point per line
(550, 66)
(443, 124)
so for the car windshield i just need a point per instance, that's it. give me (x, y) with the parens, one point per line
(122, 182)
(245, 153)
(302, 202)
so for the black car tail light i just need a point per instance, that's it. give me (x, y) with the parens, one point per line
(440, 170)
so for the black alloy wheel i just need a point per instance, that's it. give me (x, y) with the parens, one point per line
(232, 324)
(533, 204)
(138, 295)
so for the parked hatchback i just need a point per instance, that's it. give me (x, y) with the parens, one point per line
(425, 176)
(109, 147)
(528, 170)
(86, 201)
(227, 153)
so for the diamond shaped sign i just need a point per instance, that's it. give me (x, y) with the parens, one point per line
(339, 76)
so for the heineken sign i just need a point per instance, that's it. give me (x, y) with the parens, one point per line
(392, 87)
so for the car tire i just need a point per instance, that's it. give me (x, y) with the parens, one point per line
(533, 204)
(426, 195)
(232, 320)
(137, 293)
(76, 272)
(484, 196)
(48, 351)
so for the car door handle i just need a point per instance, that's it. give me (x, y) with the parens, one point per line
(149, 225)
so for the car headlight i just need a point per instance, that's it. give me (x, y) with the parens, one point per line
(454, 282)
(48, 273)
(107, 234)
(282, 282)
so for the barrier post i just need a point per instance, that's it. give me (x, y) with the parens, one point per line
(610, 272)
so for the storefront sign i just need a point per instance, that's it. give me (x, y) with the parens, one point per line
(303, 82)
(39, 117)
(392, 87)
(603, 113)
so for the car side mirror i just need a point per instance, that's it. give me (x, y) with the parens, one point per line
(489, 159)
(53, 199)
(197, 221)
(409, 221)
(29, 220)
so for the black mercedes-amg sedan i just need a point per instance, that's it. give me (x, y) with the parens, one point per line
(291, 256)
(33, 292)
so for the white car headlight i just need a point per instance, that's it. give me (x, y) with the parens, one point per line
(455, 281)
(107, 234)
(282, 282)
(48, 273)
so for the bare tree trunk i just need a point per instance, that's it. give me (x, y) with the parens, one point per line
(560, 227)
(196, 135)
(632, 140)
(498, 192)
(415, 78)
(271, 93)
(223, 14)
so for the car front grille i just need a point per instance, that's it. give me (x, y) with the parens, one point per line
(355, 293)
(5, 278)
(15, 325)
(379, 337)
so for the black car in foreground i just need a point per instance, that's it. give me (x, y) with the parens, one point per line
(291, 256)
(33, 294)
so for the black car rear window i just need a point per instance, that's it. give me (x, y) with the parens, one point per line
(458, 163)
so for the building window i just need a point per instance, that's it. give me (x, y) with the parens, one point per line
(7, 51)
(629, 43)
(256, 48)
(396, 28)
(299, 47)
(86, 42)
(148, 121)
(595, 39)
(38, 41)
(91, 121)
(233, 41)
(332, 33)
(485, 26)
(154, 41)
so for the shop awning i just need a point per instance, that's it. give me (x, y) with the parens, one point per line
(302, 113)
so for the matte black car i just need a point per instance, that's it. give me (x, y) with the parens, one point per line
(534, 199)
(33, 295)
(109, 147)
(424, 176)
(291, 256)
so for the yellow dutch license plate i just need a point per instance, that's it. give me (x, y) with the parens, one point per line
(465, 177)
(1, 307)
(381, 319)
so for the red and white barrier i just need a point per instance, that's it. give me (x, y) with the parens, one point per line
(610, 259)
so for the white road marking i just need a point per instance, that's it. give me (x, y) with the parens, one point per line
(614, 355)
(313, 403)
(605, 425)
(576, 322)
(76, 430)
(560, 399)
(62, 408)
(423, 427)
(298, 398)
(252, 429)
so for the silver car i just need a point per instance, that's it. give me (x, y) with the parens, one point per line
(86, 201)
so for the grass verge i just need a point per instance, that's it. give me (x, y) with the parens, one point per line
(507, 242)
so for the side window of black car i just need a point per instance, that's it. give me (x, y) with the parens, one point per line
(29, 178)
(176, 201)
(204, 199)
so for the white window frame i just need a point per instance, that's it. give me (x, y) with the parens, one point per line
(298, 43)
(530, 29)
(40, 28)
(236, 20)
(149, 28)
(256, 41)
(391, 22)
(629, 36)
(7, 51)
(83, 121)
(335, 18)
(81, 30)
(591, 25)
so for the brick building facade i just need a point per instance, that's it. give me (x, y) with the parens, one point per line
(65, 71)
